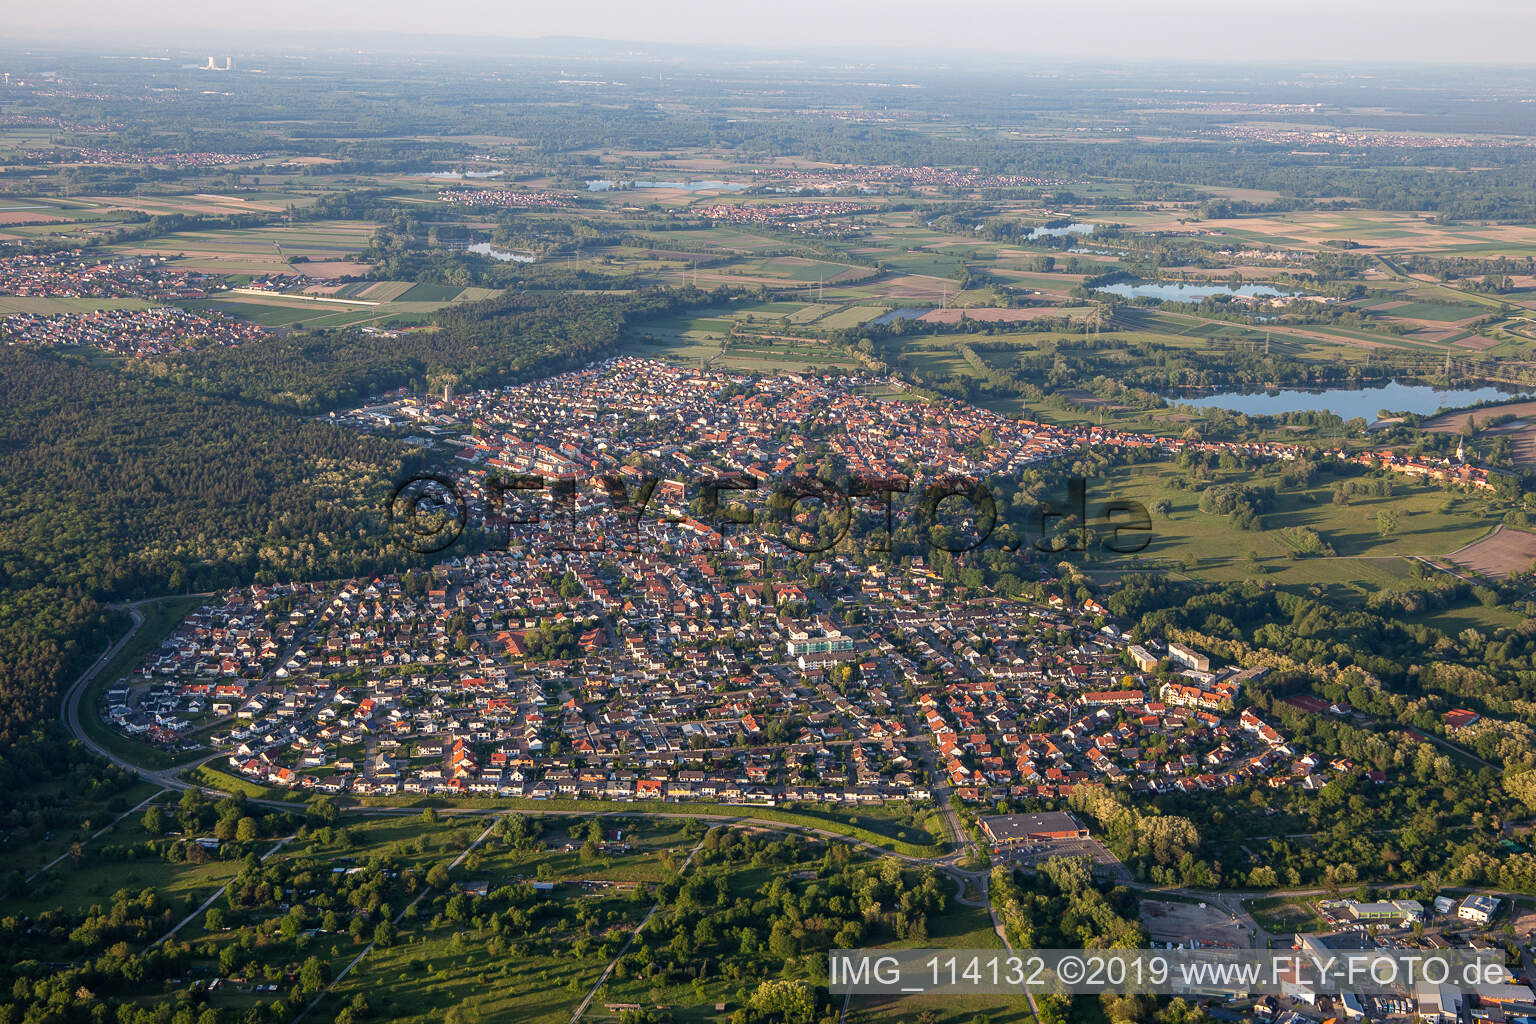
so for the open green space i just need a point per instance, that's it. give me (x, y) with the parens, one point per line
(1430, 522)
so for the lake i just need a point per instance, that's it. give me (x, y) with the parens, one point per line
(1187, 291)
(1349, 402)
(486, 249)
(605, 184)
(464, 174)
(1071, 229)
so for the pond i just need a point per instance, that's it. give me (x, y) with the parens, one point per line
(904, 313)
(505, 256)
(1366, 403)
(1187, 291)
(605, 184)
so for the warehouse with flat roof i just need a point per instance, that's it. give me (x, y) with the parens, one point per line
(1005, 830)
(1406, 911)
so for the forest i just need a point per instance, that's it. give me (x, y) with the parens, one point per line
(509, 338)
(191, 472)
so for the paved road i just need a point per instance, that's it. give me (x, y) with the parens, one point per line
(69, 709)
(69, 704)
(1002, 933)
(170, 779)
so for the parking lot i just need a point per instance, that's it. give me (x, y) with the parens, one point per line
(1104, 862)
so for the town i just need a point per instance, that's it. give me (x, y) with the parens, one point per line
(659, 656)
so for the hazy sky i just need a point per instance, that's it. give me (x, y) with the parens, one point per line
(1466, 31)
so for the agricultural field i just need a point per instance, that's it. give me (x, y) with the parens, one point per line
(198, 204)
(412, 304)
(482, 725)
(326, 245)
(1520, 431)
(781, 271)
(709, 341)
(1380, 230)
(1496, 556)
(849, 316)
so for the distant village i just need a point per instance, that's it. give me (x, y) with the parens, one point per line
(76, 273)
(130, 332)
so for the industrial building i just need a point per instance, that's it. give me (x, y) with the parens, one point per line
(1478, 909)
(1394, 911)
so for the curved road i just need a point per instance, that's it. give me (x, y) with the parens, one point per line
(69, 710)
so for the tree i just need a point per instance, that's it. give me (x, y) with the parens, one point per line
(1263, 877)
(245, 831)
(154, 820)
(1522, 786)
(311, 975)
(792, 1002)
(1386, 522)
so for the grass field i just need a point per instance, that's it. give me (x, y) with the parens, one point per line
(430, 293)
(850, 316)
(68, 887)
(281, 310)
(28, 849)
(415, 981)
(960, 927)
(1446, 311)
(1432, 523)
(1283, 915)
(705, 337)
